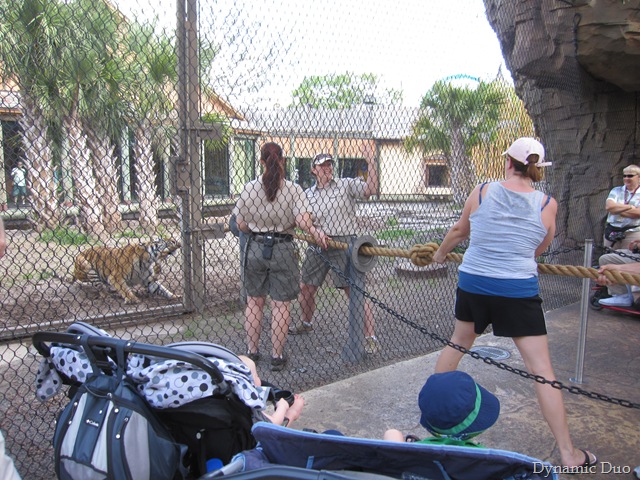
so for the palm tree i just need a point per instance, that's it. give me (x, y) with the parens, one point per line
(29, 42)
(103, 161)
(454, 119)
(105, 125)
(514, 123)
(151, 93)
(84, 85)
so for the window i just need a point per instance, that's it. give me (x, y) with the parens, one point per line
(352, 168)
(305, 177)
(11, 149)
(243, 166)
(161, 161)
(216, 168)
(436, 176)
(125, 163)
(342, 168)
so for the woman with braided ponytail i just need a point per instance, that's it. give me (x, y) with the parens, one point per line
(268, 210)
(509, 224)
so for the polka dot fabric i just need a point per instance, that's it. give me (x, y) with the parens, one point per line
(171, 383)
(163, 383)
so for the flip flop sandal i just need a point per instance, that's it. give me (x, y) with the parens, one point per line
(584, 468)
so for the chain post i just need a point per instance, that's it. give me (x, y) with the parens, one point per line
(357, 266)
(353, 350)
(584, 315)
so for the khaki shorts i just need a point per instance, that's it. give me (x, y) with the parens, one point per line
(278, 277)
(315, 269)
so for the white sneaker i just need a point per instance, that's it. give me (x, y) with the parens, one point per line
(624, 300)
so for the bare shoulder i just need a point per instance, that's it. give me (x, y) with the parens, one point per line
(553, 204)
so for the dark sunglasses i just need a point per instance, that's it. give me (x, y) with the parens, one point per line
(629, 176)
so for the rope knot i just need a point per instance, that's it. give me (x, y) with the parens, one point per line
(422, 255)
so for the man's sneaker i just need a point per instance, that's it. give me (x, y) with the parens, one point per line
(278, 363)
(624, 300)
(302, 328)
(372, 345)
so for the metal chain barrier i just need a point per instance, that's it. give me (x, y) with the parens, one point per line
(634, 255)
(502, 366)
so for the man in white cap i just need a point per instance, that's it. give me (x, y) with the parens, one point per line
(333, 202)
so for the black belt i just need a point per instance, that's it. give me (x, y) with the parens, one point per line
(277, 237)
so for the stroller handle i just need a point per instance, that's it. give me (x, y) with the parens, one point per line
(42, 342)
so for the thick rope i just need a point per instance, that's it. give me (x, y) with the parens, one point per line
(422, 255)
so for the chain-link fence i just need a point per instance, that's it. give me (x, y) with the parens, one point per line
(129, 135)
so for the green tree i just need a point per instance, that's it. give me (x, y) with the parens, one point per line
(514, 123)
(29, 44)
(105, 126)
(88, 74)
(64, 79)
(151, 92)
(344, 90)
(453, 120)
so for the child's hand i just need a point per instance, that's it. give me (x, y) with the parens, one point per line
(295, 410)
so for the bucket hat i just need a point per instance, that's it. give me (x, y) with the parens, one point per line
(452, 404)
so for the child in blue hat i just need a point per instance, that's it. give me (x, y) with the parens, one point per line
(454, 408)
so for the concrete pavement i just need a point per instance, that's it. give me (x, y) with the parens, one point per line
(366, 405)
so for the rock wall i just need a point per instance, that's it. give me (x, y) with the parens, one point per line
(576, 66)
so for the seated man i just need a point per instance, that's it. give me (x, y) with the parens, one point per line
(454, 409)
(628, 267)
(621, 295)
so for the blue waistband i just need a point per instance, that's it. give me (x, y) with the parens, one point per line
(501, 287)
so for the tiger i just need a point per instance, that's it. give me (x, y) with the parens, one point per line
(123, 267)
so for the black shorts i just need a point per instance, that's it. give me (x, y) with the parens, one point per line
(510, 317)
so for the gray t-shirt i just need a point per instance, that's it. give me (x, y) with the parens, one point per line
(334, 206)
(277, 216)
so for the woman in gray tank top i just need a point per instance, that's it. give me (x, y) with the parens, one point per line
(509, 224)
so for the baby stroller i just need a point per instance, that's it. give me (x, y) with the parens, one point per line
(200, 396)
(221, 425)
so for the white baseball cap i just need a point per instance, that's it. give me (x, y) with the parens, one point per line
(523, 147)
(322, 158)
